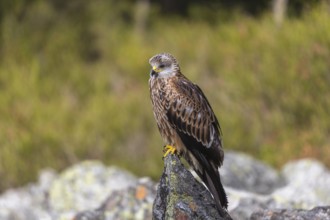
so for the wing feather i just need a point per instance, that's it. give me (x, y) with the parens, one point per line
(190, 113)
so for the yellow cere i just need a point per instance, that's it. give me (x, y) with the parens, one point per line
(155, 68)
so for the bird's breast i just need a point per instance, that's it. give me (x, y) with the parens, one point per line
(159, 92)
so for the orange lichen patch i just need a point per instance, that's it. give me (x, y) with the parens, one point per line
(141, 192)
(180, 215)
(193, 206)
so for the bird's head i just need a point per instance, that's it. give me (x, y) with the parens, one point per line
(164, 65)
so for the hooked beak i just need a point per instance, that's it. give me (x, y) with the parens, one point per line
(154, 72)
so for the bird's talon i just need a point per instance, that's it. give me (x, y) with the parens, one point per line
(164, 149)
(168, 149)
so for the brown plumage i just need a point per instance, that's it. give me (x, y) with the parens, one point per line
(186, 121)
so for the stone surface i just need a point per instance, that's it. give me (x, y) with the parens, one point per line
(29, 202)
(319, 213)
(92, 191)
(77, 186)
(308, 185)
(243, 204)
(181, 196)
(243, 172)
(90, 215)
(135, 203)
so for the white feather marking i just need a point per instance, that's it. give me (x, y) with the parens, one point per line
(189, 110)
(211, 137)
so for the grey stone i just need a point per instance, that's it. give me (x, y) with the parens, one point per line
(245, 204)
(28, 202)
(85, 186)
(318, 213)
(92, 191)
(242, 172)
(308, 186)
(90, 215)
(134, 203)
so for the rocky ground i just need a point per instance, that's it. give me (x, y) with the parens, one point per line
(90, 190)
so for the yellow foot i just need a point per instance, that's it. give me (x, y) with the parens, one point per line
(168, 149)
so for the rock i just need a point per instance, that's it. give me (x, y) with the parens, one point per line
(181, 196)
(92, 191)
(318, 213)
(134, 203)
(242, 172)
(90, 215)
(29, 202)
(243, 204)
(308, 186)
(85, 186)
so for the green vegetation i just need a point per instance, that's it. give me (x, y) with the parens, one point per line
(74, 86)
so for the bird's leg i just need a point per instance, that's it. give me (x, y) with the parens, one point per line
(168, 149)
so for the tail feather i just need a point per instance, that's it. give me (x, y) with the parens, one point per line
(205, 162)
(210, 175)
(213, 183)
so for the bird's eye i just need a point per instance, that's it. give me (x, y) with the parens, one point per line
(161, 66)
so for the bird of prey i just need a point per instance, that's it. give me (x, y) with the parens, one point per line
(187, 122)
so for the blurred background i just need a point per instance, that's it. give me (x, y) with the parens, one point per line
(74, 79)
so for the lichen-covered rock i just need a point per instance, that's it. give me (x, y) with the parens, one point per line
(181, 196)
(86, 185)
(132, 203)
(82, 183)
(135, 203)
(29, 202)
(92, 191)
(90, 215)
(318, 213)
(308, 185)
